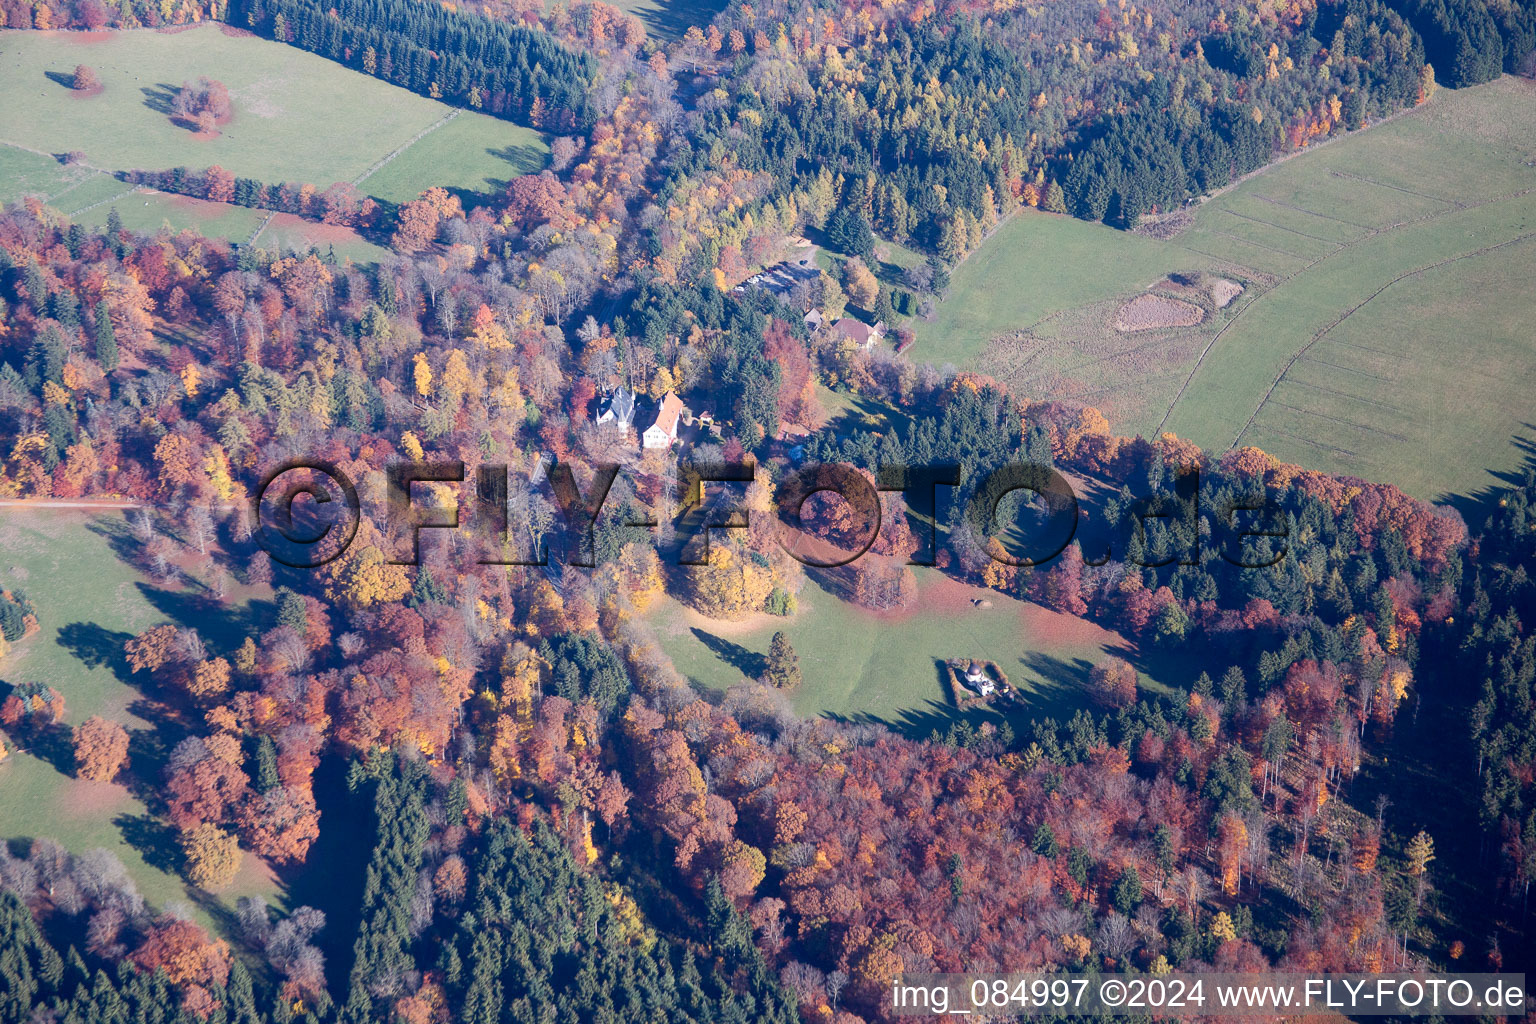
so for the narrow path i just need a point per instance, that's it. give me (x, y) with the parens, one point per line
(109, 199)
(1371, 234)
(41, 503)
(1485, 250)
(428, 130)
(260, 228)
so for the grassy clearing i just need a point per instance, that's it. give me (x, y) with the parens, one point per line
(669, 19)
(864, 666)
(1034, 266)
(1400, 352)
(89, 602)
(1383, 326)
(472, 155)
(849, 413)
(297, 117)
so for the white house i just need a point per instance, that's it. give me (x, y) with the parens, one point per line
(976, 678)
(663, 431)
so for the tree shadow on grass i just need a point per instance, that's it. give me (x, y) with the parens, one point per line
(675, 17)
(97, 647)
(160, 96)
(225, 921)
(53, 743)
(153, 839)
(64, 78)
(1059, 691)
(119, 538)
(1476, 506)
(934, 717)
(748, 663)
(524, 159)
(222, 626)
(148, 750)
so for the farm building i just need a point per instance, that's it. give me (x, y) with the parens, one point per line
(977, 679)
(663, 431)
(860, 333)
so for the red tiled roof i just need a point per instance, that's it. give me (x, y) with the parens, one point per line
(666, 416)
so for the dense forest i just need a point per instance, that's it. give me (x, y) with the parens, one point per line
(520, 733)
(1207, 825)
(512, 71)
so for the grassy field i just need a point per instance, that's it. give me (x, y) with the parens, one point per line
(1383, 324)
(88, 602)
(885, 667)
(669, 19)
(472, 155)
(297, 117)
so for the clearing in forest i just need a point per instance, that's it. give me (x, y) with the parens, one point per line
(297, 117)
(1383, 325)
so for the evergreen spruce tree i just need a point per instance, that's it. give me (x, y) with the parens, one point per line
(426, 590)
(783, 663)
(106, 337)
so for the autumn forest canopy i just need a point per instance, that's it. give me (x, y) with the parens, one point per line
(458, 788)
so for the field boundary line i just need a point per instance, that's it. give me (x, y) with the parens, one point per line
(1284, 157)
(73, 185)
(1485, 250)
(1236, 315)
(1241, 269)
(1119, 386)
(1367, 348)
(1348, 423)
(1278, 227)
(1316, 443)
(104, 202)
(1350, 369)
(1261, 245)
(1310, 213)
(261, 227)
(1369, 235)
(1344, 394)
(1396, 188)
(428, 130)
(1154, 342)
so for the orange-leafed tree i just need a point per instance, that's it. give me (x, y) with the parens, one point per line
(101, 748)
(128, 306)
(152, 648)
(1232, 839)
(220, 185)
(185, 952)
(212, 856)
(280, 824)
(1113, 683)
(420, 218)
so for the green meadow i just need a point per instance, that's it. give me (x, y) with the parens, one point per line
(886, 667)
(1383, 330)
(89, 601)
(297, 118)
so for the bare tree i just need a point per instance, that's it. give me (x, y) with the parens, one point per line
(836, 982)
(190, 646)
(199, 527)
(1116, 937)
(142, 524)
